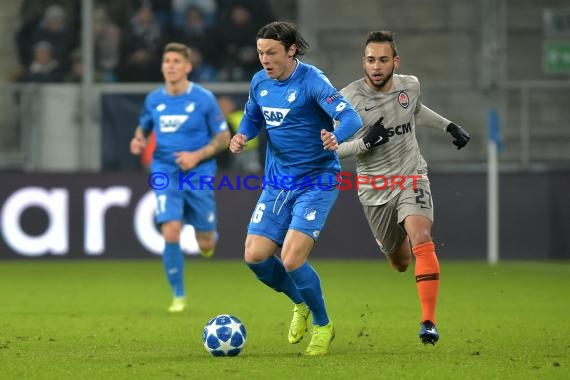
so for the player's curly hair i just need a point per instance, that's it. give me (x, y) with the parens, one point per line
(286, 33)
(383, 36)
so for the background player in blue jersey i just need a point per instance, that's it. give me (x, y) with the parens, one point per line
(298, 106)
(190, 130)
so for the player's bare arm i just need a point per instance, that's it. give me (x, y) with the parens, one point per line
(189, 160)
(138, 142)
(219, 143)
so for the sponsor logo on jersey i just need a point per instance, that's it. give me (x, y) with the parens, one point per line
(275, 116)
(399, 129)
(340, 107)
(263, 93)
(161, 107)
(370, 108)
(171, 123)
(190, 107)
(291, 95)
(403, 99)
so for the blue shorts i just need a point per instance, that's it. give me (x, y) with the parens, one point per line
(190, 206)
(303, 210)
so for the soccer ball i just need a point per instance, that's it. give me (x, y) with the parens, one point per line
(224, 335)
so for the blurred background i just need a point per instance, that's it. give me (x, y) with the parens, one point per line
(73, 76)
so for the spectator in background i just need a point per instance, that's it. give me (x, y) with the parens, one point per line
(208, 9)
(54, 29)
(107, 43)
(142, 45)
(107, 38)
(162, 10)
(286, 9)
(193, 29)
(118, 12)
(32, 16)
(198, 34)
(237, 27)
(44, 67)
(76, 72)
(201, 71)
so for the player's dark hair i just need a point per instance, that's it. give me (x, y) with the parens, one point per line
(286, 33)
(178, 48)
(383, 36)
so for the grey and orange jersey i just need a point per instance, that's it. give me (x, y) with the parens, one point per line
(400, 157)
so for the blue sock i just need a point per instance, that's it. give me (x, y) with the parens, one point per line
(307, 281)
(173, 261)
(272, 273)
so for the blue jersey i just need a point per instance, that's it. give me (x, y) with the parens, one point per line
(294, 111)
(185, 122)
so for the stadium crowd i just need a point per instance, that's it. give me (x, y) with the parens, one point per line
(129, 36)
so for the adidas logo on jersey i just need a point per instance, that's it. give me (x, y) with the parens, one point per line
(171, 123)
(275, 116)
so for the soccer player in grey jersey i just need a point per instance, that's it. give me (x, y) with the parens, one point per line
(394, 188)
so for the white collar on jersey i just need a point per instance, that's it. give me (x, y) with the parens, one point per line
(188, 90)
(297, 64)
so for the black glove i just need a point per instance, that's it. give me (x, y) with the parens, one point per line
(375, 135)
(459, 134)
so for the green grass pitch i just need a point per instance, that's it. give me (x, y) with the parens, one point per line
(108, 320)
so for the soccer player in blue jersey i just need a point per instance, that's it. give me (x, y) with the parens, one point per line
(297, 105)
(190, 130)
